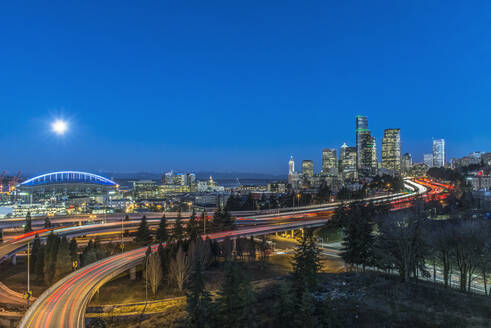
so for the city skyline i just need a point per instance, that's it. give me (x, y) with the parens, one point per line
(221, 88)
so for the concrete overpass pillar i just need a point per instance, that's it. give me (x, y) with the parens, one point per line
(14, 259)
(133, 273)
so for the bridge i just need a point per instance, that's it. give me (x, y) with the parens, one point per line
(64, 303)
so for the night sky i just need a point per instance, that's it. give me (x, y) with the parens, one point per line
(237, 85)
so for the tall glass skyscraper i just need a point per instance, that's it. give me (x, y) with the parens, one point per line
(391, 150)
(366, 151)
(439, 153)
(329, 162)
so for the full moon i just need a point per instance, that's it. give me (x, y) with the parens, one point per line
(59, 127)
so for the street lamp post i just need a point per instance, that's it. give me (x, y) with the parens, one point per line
(146, 279)
(28, 271)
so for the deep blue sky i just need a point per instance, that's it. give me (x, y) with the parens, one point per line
(237, 85)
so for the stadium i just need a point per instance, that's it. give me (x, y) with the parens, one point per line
(66, 184)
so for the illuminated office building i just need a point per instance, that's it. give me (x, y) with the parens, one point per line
(391, 150)
(329, 162)
(308, 168)
(366, 149)
(439, 153)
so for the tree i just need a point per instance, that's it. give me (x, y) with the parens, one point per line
(192, 227)
(47, 222)
(28, 224)
(236, 299)
(358, 235)
(468, 238)
(306, 264)
(284, 305)
(63, 264)
(73, 247)
(178, 231)
(179, 268)
(51, 250)
(36, 249)
(324, 193)
(440, 246)
(304, 314)
(154, 271)
(162, 231)
(223, 221)
(143, 236)
(199, 305)
(400, 245)
(89, 254)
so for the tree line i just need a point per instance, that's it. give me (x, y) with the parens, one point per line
(57, 257)
(412, 245)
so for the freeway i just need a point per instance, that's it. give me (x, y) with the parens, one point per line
(19, 243)
(64, 304)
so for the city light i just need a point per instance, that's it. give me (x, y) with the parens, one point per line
(59, 127)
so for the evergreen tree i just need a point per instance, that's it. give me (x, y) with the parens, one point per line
(306, 264)
(36, 249)
(63, 264)
(47, 222)
(39, 264)
(236, 299)
(192, 227)
(162, 231)
(249, 204)
(143, 236)
(284, 306)
(223, 221)
(51, 250)
(178, 231)
(28, 225)
(199, 305)
(73, 247)
(89, 254)
(358, 238)
(304, 314)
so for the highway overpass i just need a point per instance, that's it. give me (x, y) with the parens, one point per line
(64, 304)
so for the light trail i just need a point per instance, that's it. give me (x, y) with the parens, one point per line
(64, 304)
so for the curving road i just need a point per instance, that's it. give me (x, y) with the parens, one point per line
(64, 304)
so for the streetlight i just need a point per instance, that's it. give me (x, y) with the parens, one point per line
(28, 272)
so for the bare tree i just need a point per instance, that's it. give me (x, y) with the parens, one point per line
(179, 268)
(154, 271)
(400, 245)
(440, 242)
(468, 244)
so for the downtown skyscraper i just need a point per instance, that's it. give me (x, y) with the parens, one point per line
(366, 149)
(391, 150)
(439, 153)
(329, 162)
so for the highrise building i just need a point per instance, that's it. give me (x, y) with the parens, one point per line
(308, 168)
(406, 163)
(391, 150)
(291, 166)
(428, 160)
(329, 162)
(366, 151)
(347, 162)
(439, 153)
(373, 151)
